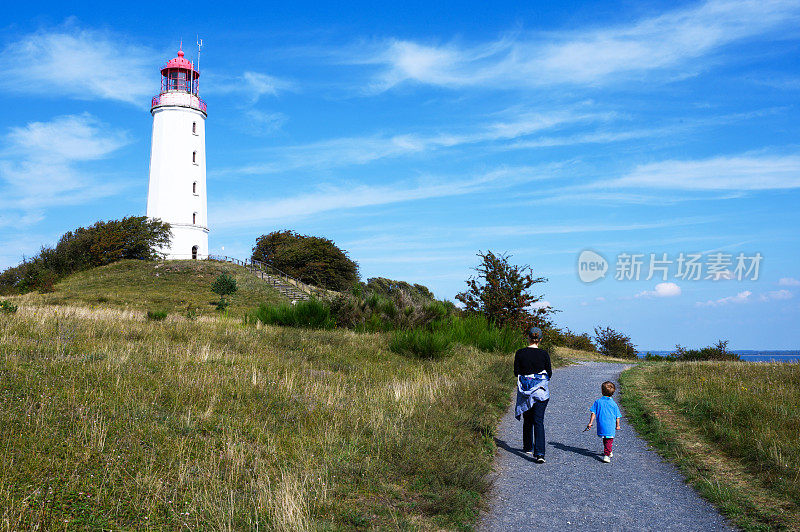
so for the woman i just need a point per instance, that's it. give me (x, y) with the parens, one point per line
(533, 371)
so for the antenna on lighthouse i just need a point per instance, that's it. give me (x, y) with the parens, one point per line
(199, 46)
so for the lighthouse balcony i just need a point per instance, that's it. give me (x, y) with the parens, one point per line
(179, 99)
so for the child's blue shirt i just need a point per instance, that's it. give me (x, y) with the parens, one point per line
(606, 411)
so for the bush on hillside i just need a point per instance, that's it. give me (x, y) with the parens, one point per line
(612, 343)
(389, 288)
(312, 259)
(501, 292)
(134, 237)
(374, 312)
(224, 285)
(554, 336)
(420, 343)
(312, 314)
(476, 330)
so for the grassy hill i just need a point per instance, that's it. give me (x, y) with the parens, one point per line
(111, 421)
(170, 286)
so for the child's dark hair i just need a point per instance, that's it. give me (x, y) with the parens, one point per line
(608, 388)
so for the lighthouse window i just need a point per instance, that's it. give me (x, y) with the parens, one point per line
(194, 128)
(194, 157)
(194, 218)
(194, 187)
(194, 252)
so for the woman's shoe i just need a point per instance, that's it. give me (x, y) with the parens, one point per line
(607, 459)
(539, 459)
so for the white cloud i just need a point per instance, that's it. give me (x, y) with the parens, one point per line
(79, 63)
(39, 165)
(662, 290)
(541, 304)
(741, 297)
(325, 199)
(742, 172)
(776, 295)
(664, 42)
(789, 281)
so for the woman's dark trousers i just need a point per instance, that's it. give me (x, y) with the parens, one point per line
(533, 428)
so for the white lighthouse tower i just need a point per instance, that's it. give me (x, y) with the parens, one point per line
(177, 192)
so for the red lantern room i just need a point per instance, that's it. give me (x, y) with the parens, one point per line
(179, 81)
(179, 75)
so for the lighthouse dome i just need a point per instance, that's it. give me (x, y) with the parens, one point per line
(180, 63)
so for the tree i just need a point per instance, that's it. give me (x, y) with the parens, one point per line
(613, 343)
(134, 237)
(312, 259)
(224, 285)
(500, 291)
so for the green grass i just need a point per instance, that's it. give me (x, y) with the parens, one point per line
(313, 314)
(111, 421)
(173, 286)
(420, 343)
(733, 429)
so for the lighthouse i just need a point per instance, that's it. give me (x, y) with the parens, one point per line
(177, 191)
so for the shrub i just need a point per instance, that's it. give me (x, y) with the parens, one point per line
(156, 315)
(224, 285)
(134, 237)
(612, 343)
(7, 307)
(478, 331)
(312, 259)
(501, 292)
(312, 314)
(718, 351)
(389, 287)
(420, 343)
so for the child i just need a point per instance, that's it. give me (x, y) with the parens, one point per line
(607, 413)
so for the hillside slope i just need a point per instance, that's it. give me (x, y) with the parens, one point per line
(170, 286)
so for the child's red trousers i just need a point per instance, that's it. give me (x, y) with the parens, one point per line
(607, 443)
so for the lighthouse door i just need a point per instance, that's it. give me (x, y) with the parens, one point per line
(194, 252)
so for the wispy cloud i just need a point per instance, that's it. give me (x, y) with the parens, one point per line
(667, 41)
(347, 151)
(776, 295)
(789, 281)
(537, 229)
(39, 165)
(728, 173)
(325, 199)
(251, 86)
(741, 297)
(79, 63)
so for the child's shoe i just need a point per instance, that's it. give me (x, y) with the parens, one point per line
(606, 459)
(539, 459)
(611, 454)
(530, 454)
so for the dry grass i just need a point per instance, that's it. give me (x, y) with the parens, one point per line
(566, 353)
(113, 422)
(732, 427)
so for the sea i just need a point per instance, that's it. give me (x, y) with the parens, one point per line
(751, 355)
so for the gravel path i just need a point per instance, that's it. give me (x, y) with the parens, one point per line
(574, 490)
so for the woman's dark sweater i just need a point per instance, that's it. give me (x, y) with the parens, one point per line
(529, 360)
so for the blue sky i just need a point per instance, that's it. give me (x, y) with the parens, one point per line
(416, 134)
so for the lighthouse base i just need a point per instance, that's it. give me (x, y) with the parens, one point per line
(188, 242)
